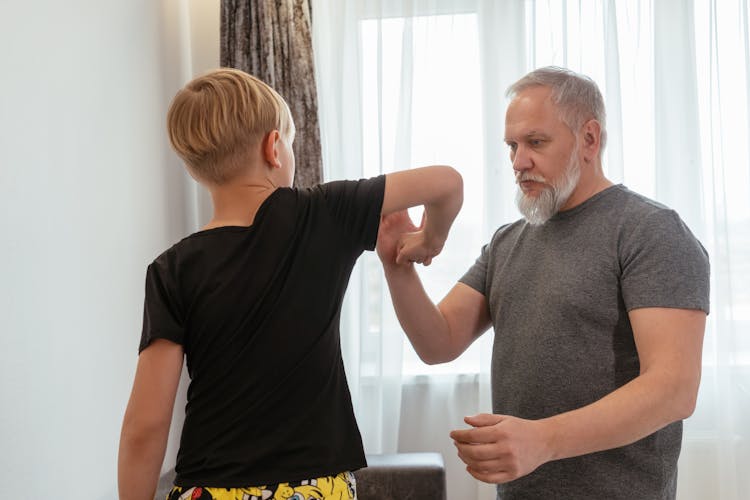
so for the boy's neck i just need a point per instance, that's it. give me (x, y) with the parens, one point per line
(237, 202)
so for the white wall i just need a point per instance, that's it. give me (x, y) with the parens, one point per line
(89, 194)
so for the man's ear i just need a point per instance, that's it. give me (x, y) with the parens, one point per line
(270, 153)
(592, 134)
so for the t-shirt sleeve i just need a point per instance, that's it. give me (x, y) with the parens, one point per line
(161, 310)
(476, 276)
(664, 265)
(356, 207)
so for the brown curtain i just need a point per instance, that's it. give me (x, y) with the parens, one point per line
(272, 40)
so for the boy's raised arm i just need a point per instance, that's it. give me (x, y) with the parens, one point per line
(440, 190)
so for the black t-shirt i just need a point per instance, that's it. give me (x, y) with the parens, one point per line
(257, 311)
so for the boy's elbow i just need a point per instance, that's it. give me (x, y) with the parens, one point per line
(452, 188)
(142, 429)
(450, 178)
(454, 180)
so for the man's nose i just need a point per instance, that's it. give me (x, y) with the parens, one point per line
(521, 160)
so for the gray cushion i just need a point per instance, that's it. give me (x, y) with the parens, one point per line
(416, 476)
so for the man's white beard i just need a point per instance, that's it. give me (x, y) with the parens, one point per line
(538, 210)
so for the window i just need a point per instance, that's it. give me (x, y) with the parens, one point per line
(428, 111)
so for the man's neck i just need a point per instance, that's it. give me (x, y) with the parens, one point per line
(589, 184)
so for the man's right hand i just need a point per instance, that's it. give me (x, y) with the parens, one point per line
(438, 333)
(392, 229)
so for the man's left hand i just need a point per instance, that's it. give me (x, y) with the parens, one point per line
(501, 448)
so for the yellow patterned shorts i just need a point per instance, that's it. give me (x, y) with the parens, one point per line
(339, 487)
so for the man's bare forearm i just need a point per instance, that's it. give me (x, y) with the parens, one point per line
(632, 412)
(669, 343)
(420, 318)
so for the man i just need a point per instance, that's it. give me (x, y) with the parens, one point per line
(598, 299)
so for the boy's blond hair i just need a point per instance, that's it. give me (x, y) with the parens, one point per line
(217, 119)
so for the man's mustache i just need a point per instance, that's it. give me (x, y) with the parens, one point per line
(530, 177)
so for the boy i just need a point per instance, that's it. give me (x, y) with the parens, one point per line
(252, 302)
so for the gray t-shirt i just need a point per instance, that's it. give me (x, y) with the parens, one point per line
(559, 294)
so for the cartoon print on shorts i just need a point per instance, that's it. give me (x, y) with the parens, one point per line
(197, 493)
(339, 487)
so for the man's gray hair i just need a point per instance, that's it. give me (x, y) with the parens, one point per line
(577, 96)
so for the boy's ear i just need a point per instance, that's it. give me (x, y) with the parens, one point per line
(270, 153)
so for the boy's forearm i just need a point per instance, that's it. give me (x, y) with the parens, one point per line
(420, 318)
(439, 218)
(441, 212)
(139, 465)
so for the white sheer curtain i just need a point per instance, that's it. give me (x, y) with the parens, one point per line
(408, 83)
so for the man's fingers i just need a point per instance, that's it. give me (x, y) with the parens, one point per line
(464, 436)
(476, 435)
(497, 477)
(483, 419)
(495, 470)
(479, 452)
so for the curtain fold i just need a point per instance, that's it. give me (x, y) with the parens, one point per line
(272, 40)
(501, 25)
(676, 110)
